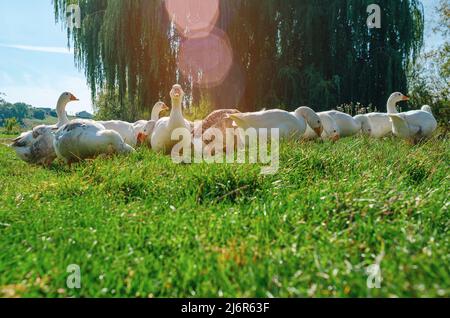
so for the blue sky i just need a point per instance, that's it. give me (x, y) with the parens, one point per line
(36, 66)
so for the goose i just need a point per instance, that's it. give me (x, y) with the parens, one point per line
(143, 129)
(347, 125)
(86, 139)
(379, 125)
(364, 122)
(157, 109)
(330, 129)
(290, 124)
(125, 130)
(161, 139)
(414, 125)
(375, 125)
(35, 146)
(218, 120)
(393, 100)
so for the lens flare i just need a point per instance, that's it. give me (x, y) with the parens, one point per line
(193, 17)
(207, 59)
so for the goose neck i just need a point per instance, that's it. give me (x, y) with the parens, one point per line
(155, 113)
(176, 114)
(392, 106)
(61, 113)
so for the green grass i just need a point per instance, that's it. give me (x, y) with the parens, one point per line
(143, 226)
(30, 123)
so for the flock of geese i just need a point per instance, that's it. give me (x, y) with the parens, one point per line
(78, 139)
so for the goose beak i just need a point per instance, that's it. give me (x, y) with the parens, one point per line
(335, 138)
(319, 131)
(176, 92)
(141, 138)
(73, 98)
(235, 118)
(405, 98)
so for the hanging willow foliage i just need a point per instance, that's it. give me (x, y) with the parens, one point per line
(287, 52)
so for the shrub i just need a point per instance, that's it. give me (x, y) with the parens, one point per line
(11, 126)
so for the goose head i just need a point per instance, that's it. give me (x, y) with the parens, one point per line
(157, 109)
(63, 100)
(311, 118)
(67, 97)
(238, 120)
(394, 99)
(177, 94)
(331, 128)
(143, 137)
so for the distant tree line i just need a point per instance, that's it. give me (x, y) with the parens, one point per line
(22, 111)
(288, 52)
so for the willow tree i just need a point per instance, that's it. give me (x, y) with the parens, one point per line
(124, 47)
(286, 52)
(332, 57)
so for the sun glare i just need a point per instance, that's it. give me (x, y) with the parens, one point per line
(193, 18)
(211, 56)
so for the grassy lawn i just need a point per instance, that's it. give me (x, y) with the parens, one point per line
(143, 226)
(6, 138)
(30, 123)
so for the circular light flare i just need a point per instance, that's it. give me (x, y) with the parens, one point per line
(193, 18)
(207, 59)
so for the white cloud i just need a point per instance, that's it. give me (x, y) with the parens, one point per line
(42, 49)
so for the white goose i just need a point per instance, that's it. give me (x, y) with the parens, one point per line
(155, 115)
(161, 139)
(347, 125)
(125, 130)
(36, 146)
(143, 129)
(379, 125)
(290, 124)
(375, 125)
(86, 139)
(413, 125)
(330, 129)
